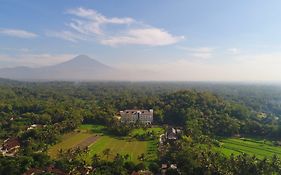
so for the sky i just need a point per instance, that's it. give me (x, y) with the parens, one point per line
(181, 40)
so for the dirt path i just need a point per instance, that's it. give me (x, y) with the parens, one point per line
(87, 142)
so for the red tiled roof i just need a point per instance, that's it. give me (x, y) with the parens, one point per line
(135, 173)
(49, 169)
(52, 169)
(11, 143)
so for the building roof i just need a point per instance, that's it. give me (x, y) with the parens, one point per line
(49, 169)
(134, 111)
(33, 171)
(173, 166)
(141, 172)
(164, 166)
(11, 143)
(171, 130)
(52, 169)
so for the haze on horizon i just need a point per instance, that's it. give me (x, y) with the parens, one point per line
(192, 40)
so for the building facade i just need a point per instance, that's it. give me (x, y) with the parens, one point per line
(134, 116)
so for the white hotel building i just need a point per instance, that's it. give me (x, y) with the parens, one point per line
(133, 116)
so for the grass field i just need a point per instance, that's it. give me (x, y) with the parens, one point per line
(140, 131)
(121, 145)
(92, 128)
(69, 140)
(259, 148)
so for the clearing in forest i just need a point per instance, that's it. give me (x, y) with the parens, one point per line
(96, 138)
(69, 140)
(121, 146)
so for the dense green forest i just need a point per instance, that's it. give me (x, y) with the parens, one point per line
(205, 112)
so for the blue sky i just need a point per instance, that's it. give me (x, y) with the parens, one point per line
(187, 39)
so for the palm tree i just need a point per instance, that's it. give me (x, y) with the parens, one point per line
(60, 153)
(126, 157)
(141, 157)
(95, 160)
(106, 152)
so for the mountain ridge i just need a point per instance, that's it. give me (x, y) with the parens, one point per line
(80, 67)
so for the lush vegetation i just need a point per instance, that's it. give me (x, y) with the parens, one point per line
(253, 147)
(133, 149)
(138, 143)
(68, 114)
(69, 140)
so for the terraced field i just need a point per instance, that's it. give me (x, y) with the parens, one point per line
(260, 148)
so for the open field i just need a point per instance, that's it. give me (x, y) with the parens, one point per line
(121, 146)
(96, 138)
(260, 148)
(69, 140)
(156, 130)
(92, 128)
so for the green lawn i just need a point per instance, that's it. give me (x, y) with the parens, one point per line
(155, 129)
(92, 128)
(121, 145)
(152, 150)
(69, 140)
(260, 148)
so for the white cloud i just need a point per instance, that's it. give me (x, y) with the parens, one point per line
(88, 24)
(97, 17)
(17, 33)
(199, 52)
(90, 21)
(145, 36)
(67, 35)
(233, 50)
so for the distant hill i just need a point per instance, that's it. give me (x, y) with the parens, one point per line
(81, 67)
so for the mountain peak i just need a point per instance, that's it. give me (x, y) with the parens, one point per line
(81, 67)
(82, 60)
(82, 57)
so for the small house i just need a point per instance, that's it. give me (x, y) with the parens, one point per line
(10, 146)
(173, 134)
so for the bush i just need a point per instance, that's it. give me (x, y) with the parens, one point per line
(154, 167)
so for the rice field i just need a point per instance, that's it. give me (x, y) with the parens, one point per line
(259, 148)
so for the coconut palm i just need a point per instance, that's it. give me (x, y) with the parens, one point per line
(106, 152)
